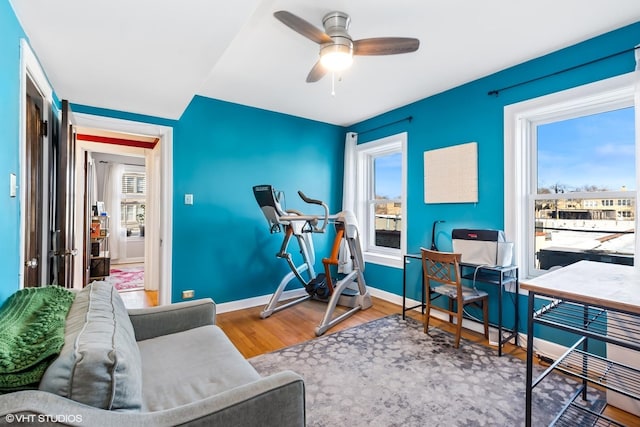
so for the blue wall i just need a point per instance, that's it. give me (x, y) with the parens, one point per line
(221, 244)
(10, 35)
(467, 113)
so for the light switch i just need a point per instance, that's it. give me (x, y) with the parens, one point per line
(188, 199)
(12, 185)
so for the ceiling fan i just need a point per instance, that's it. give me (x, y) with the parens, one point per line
(336, 45)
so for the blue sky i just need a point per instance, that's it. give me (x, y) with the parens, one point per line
(388, 177)
(591, 150)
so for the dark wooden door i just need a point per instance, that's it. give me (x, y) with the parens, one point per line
(64, 168)
(33, 194)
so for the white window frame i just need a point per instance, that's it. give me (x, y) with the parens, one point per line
(135, 197)
(365, 153)
(520, 121)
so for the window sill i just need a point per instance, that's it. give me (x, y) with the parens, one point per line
(384, 259)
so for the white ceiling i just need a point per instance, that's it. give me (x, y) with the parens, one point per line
(152, 56)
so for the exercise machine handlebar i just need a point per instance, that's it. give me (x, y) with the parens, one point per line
(314, 223)
(309, 200)
(311, 221)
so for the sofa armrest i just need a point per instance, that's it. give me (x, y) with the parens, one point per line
(277, 400)
(168, 319)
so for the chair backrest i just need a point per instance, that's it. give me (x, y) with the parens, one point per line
(441, 267)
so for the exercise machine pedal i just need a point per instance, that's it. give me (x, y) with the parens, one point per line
(318, 287)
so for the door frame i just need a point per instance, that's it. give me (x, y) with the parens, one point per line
(30, 70)
(162, 163)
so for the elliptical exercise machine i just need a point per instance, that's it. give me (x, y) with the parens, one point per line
(349, 291)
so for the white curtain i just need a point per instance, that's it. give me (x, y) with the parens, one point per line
(349, 183)
(112, 199)
(637, 119)
(345, 265)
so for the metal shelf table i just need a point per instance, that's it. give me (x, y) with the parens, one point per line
(583, 298)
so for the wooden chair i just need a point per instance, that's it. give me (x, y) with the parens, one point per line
(442, 278)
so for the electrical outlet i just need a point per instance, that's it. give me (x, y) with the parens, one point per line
(188, 294)
(188, 199)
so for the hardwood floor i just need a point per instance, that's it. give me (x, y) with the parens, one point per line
(254, 336)
(139, 299)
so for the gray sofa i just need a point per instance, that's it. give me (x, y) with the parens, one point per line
(162, 366)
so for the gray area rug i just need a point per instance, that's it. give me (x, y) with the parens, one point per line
(389, 373)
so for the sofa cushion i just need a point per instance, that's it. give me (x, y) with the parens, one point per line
(189, 366)
(99, 364)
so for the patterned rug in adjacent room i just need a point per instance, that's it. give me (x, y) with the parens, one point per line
(389, 373)
(126, 278)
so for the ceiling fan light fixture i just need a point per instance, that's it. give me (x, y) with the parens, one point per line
(336, 57)
(336, 45)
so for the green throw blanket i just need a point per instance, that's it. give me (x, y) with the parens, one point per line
(31, 334)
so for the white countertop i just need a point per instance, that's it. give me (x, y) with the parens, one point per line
(611, 285)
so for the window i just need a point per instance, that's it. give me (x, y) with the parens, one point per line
(578, 161)
(132, 205)
(381, 208)
(570, 176)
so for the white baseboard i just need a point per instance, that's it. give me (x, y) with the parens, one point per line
(543, 347)
(256, 301)
(466, 323)
(387, 296)
(125, 261)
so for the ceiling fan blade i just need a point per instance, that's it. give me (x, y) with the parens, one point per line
(317, 72)
(385, 46)
(301, 26)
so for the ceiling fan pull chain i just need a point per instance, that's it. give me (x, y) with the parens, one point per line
(333, 83)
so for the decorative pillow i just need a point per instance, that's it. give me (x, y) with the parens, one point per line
(99, 364)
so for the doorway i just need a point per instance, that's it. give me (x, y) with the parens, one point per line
(120, 199)
(101, 139)
(115, 177)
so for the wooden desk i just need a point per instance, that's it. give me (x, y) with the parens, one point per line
(582, 298)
